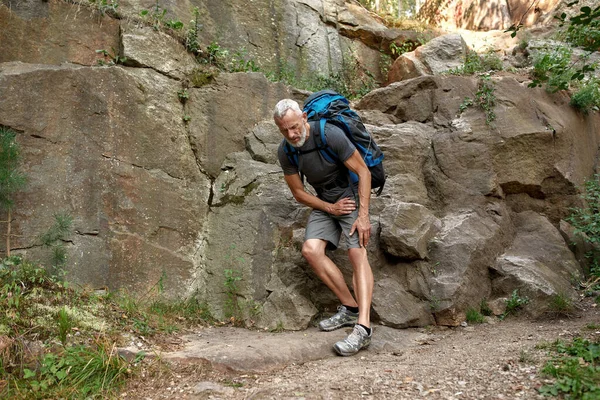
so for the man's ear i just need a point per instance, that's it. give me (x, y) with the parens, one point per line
(305, 116)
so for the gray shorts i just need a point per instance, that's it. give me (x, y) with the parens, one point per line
(322, 225)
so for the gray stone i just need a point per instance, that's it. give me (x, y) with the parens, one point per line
(538, 262)
(397, 308)
(406, 230)
(145, 47)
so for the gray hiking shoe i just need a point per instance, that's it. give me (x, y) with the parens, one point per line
(357, 340)
(343, 317)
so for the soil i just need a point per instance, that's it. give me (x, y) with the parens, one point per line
(498, 359)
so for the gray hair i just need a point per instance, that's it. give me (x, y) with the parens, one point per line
(283, 106)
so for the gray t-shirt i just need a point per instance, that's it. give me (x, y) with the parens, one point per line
(329, 180)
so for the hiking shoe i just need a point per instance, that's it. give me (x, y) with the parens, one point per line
(358, 339)
(343, 317)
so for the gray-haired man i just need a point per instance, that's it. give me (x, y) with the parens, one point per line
(340, 208)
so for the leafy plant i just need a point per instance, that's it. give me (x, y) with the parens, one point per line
(553, 67)
(155, 15)
(106, 6)
(587, 96)
(474, 63)
(514, 303)
(11, 179)
(216, 55)
(191, 41)
(183, 95)
(110, 57)
(240, 62)
(586, 221)
(575, 370)
(232, 304)
(556, 68)
(485, 98)
(398, 50)
(77, 372)
(55, 237)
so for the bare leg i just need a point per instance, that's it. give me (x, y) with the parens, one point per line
(363, 283)
(314, 252)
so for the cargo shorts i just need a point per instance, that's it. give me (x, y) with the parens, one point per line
(328, 227)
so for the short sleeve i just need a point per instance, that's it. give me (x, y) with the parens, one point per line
(287, 167)
(339, 142)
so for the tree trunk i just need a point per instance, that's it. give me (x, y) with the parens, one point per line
(400, 9)
(376, 5)
(8, 235)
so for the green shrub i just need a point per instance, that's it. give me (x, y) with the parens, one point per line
(587, 96)
(553, 67)
(575, 369)
(514, 303)
(561, 304)
(474, 63)
(75, 373)
(474, 316)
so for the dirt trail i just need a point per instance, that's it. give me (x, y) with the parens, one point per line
(496, 360)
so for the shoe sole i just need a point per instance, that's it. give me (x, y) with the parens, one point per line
(338, 327)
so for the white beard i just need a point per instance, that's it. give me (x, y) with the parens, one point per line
(302, 138)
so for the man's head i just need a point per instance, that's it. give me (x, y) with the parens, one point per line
(291, 121)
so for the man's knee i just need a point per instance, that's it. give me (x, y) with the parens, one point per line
(312, 250)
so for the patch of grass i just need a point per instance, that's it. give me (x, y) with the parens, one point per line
(484, 308)
(37, 308)
(575, 369)
(65, 324)
(75, 372)
(587, 96)
(561, 304)
(474, 316)
(526, 358)
(278, 328)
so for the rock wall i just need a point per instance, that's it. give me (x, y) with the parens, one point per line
(180, 192)
(487, 15)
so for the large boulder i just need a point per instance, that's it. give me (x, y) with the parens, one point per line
(461, 253)
(406, 230)
(538, 263)
(437, 56)
(109, 147)
(145, 47)
(54, 32)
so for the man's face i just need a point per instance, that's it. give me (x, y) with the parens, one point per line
(293, 127)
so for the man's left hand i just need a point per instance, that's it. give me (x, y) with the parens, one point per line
(363, 226)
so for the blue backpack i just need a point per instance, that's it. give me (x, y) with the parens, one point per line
(330, 107)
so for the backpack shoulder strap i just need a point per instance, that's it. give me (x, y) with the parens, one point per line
(291, 153)
(321, 141)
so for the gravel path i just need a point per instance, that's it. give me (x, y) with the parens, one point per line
(497, 360)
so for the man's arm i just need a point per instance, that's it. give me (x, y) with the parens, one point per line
(341, 207)
(362, 224)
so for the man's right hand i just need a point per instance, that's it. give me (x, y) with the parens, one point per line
(342, 207)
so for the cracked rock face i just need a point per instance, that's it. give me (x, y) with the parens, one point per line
(182, 192)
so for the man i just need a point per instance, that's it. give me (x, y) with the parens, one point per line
(339, 208)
